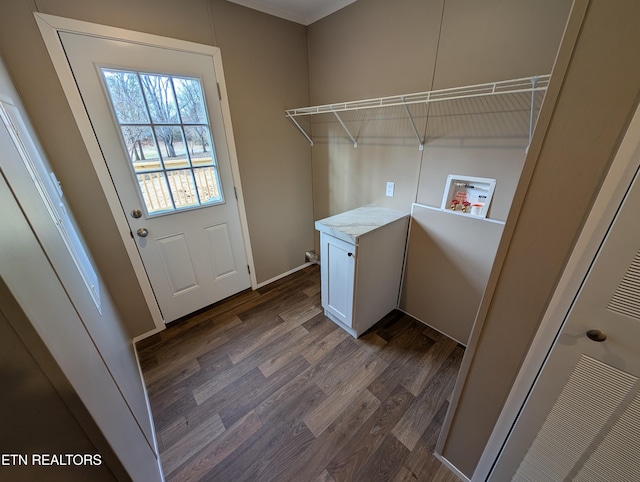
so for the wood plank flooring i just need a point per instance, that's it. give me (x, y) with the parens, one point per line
(263, 387)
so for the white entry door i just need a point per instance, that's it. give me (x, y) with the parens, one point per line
(157, 117)
(581, 421)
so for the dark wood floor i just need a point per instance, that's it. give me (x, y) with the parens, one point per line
(263, 387)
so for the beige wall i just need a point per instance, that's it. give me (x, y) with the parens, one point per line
(266, 68)
(587, 117)
(46, 301)
(446, 295)
(371, 48)
(34, 417)
(490, 40)
(377, 48)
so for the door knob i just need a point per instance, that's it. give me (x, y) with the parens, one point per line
(136, 213)
(597, 335)
(143, 232)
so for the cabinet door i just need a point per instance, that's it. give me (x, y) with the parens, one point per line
(338, 273)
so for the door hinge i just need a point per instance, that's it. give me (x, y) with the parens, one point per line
(235, 191)
(248, 269)
(219, 92)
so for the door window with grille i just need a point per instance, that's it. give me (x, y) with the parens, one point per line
(164, 127)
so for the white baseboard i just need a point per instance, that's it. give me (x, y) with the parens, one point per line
(276, 278)
(433, 328)
(451, 467)
(148, 334)
(260, 285)
(146, 399)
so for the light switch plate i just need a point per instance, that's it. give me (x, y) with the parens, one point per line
(390, 187)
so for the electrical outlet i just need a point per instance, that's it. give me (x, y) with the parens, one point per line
(390, 187)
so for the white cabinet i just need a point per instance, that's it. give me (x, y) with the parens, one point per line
(338, 276)
(361, 257)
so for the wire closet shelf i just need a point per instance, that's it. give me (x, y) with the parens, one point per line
(526, 85)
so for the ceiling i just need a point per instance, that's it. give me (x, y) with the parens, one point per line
(300, 11)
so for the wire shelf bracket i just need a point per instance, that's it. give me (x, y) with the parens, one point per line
(413, 124)
(532, 113)
(530, 85)
(355, 142)
(304, 133)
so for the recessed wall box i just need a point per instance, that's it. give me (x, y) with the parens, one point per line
(468, 195)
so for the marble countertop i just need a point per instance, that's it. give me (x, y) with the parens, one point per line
(350, 225)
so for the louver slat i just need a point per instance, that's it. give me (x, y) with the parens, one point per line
(591, 396)
(626, 299)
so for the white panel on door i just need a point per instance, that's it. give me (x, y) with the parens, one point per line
(219, 245)
(177, 262)
(590, 398)
(616, 458)
(339, 298)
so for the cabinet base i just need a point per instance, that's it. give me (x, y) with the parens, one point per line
(346, 328)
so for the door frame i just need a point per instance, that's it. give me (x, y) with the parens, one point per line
(624, 167)
(49, 26)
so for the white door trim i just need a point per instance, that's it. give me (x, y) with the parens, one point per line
(616, 184)
(49, 27)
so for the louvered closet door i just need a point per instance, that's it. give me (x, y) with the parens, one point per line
(582, 421)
